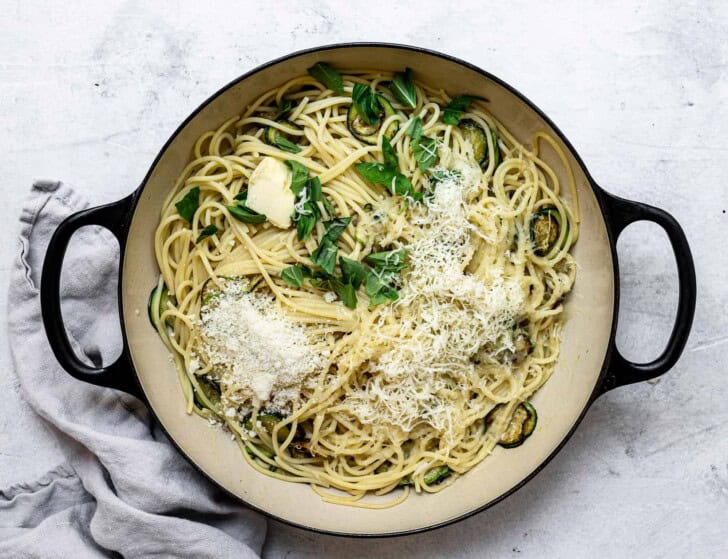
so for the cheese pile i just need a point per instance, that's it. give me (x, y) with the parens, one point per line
(253, 347)
(443, 318)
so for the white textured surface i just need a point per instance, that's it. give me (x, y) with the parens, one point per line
(89, 94)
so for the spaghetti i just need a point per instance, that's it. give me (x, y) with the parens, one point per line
(390, 337)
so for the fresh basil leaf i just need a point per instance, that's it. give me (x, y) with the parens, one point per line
(329, 207)
(245, 214)
(325, 255)
(334, 228)
(327, 76)
(314, 189)
(208, 231)
(242, 195)
(425, 151)
(299, 175)
(352, 271)
(390, 156)
(188, 205)
(401, 186)
(377, 173)
(414, 130)
(403, 87)
(285, 144)
(451, 114)
(383, 296)
(366, 103)
(304, 226)
(391, 260)
(346, 292)
(294, 275)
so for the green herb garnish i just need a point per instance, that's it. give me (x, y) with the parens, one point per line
(327, 76)
(325, 256)
(365, 101)
(414, 130)
(208, 231)
(243, 213)
(188, 205)
(299, 175)
(425, 151)
(314, 189)
(294, 275)
(456, 107)
(352, 272)
(390, 156)
(403, 87)
(285, 144)
(391, 260)
(345, 291)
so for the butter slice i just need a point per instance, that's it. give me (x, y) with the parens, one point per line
(269, 192)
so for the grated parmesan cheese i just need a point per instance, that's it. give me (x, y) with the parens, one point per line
(255, 349)
(443, 318)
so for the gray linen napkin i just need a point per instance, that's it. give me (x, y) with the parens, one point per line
(124, 489)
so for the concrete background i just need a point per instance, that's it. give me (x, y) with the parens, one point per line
(89, 92)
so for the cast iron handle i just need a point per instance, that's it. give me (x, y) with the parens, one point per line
(619, 214)
(113, 217)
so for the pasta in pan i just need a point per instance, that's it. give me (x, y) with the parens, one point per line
(363, 279)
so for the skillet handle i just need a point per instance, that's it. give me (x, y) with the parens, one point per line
(620, 213)
(113, 217)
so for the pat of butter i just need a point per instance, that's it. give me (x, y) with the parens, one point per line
(269, 192)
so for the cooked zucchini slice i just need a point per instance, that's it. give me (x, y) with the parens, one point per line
(158, 304)
(477, 137)
(368, 133)
(268, 421)
(473, 133)
(275, 137)
(548, 231)
(521, 425)
(210, 392)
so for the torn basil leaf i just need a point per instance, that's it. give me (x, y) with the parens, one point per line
(345, 291)
(456, 107)
(314, 189)
(365, 101)
(352, 271)
(391, 260)
(414, 130)
(285, 145)
(208, 231)
(325, 74)
(245, 214)
(188, 205)
(299, 175)
(403, 88)
(390, 156)
(425, 151)
(325, 255)
(294, 275)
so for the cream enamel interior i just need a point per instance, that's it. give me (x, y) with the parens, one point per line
(560, 402)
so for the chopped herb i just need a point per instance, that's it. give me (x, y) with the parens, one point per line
(403, 87)
(334, 229)
(325, 255)
(414, 130)
(327, 76)
(379, 173)
(306, 220)
(294, 275)
(425, 151)
(391, 260)
(208, 231)
(314, 189)
(366, 103)
(390, 156)
(188, 205)
(299, 175)
(242, 195)
(329, 207)
(285, 144)
(456, 107)
(346, 292)
(353, 272)
(377, 288)
(245, 214)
